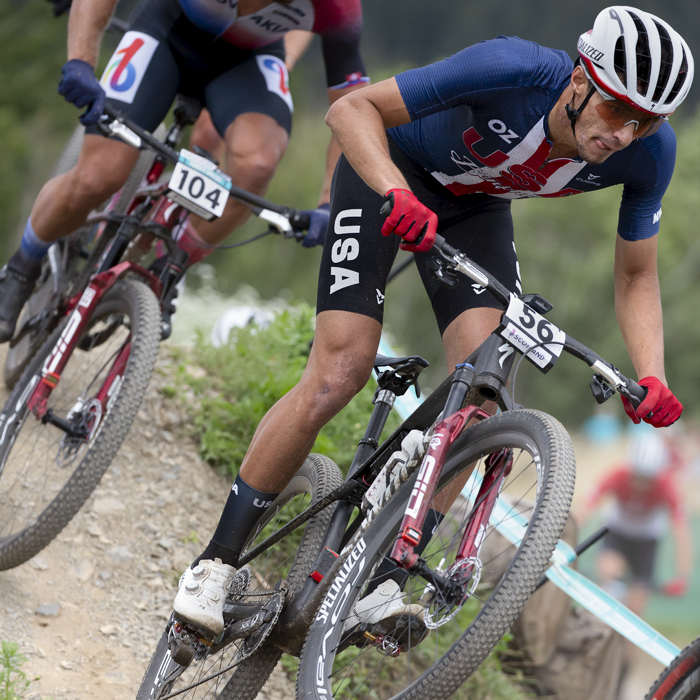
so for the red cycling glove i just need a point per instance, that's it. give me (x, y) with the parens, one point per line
(675, 588)
(660, 407)
(410, 219)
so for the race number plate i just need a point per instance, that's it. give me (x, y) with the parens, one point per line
(527, 331)
(199, 186)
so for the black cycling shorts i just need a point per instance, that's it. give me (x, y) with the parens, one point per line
(640, 555)
(164, 54)
(357, 259)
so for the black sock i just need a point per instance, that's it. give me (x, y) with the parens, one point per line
(243, 509)
(389, 570)
(24, 265)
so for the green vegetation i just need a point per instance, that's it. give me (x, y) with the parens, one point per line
(244, 379)
(13, 680)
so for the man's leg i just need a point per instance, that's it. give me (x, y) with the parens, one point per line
(255, 144)
(65, 201)
(61, 207)
(339, 366)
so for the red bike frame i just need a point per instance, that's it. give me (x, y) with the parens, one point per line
(498, 467)
(82, 309)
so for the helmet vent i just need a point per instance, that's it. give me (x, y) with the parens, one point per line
(643, 56)
(620, 60)
(666, 62)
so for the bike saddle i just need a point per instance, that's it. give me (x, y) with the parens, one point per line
(187, 109)
(414, 361)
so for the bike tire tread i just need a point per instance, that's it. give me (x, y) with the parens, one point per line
(77, 489)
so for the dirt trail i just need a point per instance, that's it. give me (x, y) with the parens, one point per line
(88, 610)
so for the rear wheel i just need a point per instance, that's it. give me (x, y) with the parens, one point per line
(289, 561)
(680, 680)
(438, 640)
(45, 474)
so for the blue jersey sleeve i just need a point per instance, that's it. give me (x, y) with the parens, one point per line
(650, 174)
(470, 75)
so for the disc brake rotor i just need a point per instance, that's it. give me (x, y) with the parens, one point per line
(438, 611)
(87, 415)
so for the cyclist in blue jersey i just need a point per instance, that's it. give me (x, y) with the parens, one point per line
(228, 55)
(451, 145)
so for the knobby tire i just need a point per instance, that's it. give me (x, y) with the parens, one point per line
(336, 664)
(41, 490)
(316, 478)
(680, 680)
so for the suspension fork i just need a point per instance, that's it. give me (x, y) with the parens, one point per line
(498, 467)
(78, 321)
(444, 434)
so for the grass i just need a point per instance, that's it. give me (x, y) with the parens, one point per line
(245, 378)
(13, 680)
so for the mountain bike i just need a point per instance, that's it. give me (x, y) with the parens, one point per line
(309, 562)
(680, 680)
(101, 320)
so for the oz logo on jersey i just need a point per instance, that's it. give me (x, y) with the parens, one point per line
(128, 65)
(275, 73)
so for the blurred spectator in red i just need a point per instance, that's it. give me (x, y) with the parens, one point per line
(644, 501)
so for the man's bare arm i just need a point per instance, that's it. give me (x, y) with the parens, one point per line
(333, 152)
(638, 305)
(359, 121)
(88, 19)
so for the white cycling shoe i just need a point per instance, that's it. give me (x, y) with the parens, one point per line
(201, 596)
(385, 612)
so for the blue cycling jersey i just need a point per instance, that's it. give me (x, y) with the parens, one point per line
(480, 124)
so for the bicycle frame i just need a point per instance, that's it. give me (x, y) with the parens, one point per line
(165, 214)
(78, 321)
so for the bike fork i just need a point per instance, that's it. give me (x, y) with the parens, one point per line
(444, 434)
(77, 323)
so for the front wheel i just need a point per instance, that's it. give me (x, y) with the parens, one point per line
(70, 253)
(46, 473)
(430, 647)
(680, 680)
(215, 672)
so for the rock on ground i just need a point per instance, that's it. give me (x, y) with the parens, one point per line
(88, 610)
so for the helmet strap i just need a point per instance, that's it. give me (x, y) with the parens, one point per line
(575, 113)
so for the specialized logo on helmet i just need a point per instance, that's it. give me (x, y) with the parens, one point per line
(589, 51)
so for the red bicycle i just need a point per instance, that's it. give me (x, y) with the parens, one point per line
(90, 335)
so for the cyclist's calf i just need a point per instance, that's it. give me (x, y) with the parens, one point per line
(65, 201)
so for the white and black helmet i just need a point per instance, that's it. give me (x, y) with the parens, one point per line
(637, 58)
(647, 453)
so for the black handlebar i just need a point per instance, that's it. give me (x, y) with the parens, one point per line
(297, 219)
(460, 262)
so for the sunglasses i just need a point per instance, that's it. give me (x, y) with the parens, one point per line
(618, 114)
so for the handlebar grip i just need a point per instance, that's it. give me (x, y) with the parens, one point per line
(300, 220)
(387, 207)
(637, 393)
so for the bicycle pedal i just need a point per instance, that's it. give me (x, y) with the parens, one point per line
(181, 652)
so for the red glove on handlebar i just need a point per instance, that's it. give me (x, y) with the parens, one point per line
(660, 407)
(411, 220)
(675, 588)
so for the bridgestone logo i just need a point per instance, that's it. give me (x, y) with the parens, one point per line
(589, 51)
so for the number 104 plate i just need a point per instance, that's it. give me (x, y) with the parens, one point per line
(527, 331)
(199, 186)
